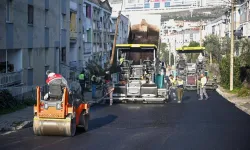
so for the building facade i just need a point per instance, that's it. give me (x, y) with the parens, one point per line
(96, 31)
(31, 35)
(123, 29)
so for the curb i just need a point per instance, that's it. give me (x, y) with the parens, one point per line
(243, 108)
(239, 105)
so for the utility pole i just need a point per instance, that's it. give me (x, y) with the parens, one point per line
(169, 55)
(114, 43)
(200, 33)
(232, 47)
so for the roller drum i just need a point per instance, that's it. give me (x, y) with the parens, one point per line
(54, 127)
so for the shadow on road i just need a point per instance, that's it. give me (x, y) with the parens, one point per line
(101, 121)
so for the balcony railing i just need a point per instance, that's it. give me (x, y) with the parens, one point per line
(73, 35)
(12, 78)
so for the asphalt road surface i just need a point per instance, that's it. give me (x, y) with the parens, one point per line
(214, 124)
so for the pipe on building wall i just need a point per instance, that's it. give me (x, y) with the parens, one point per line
(6, 59)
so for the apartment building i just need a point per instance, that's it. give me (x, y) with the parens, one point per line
(216, 27)
(96, 30)
(123, 29)
(244, 11)
(31, 35)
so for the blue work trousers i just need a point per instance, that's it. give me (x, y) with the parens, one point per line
(93, 90)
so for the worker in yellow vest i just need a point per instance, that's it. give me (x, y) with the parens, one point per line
(203, 83)
(180, 89)
(81, 79)
(172, 88)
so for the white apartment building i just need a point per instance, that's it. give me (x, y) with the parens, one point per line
(216, 27)
(32, 39)
(181, 38)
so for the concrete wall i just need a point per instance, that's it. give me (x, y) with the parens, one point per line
(21, 35)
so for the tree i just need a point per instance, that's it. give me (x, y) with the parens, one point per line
(192, 57)
(212, 44)
(245, 51)
(164, 53)
(245, 55)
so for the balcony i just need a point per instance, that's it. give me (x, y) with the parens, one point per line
(73, 37)
(10, 79)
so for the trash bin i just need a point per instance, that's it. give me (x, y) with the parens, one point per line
(159, 81)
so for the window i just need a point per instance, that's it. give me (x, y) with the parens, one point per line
(9, 11)
(30, 14)
(46, 18)
(88, 11)
(63, 55)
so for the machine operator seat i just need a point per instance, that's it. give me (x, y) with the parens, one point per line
(55, 92)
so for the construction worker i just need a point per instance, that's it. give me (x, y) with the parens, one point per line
(93, 82)
(81, 78)
(109, 86)
(180, 89)
(55, 79)
(203, 82)
(121, 60)
(172, 88)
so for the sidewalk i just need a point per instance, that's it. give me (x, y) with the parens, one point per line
(24, 118)
(242, 103)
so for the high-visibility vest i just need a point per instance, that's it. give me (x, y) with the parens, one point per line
(203, 81)
(180, 83)
(81, 76)
(121, 60)
(172, 81)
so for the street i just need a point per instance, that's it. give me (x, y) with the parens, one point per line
(203, 125)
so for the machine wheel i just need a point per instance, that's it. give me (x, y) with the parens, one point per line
(84, 121)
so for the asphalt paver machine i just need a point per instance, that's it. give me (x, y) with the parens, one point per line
(59, 115)
(191, 72)
(140, 77)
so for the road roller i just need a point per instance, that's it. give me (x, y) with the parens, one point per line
(60, 114)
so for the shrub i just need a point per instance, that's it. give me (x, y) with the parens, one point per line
(225, 72)
(243, 92)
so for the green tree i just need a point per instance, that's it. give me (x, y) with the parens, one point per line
(213, 47)
(245, 51)
(192, 57)
(164, 53)
(194, 44)
(245, 57)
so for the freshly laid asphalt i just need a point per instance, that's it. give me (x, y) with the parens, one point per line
(215, 124)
